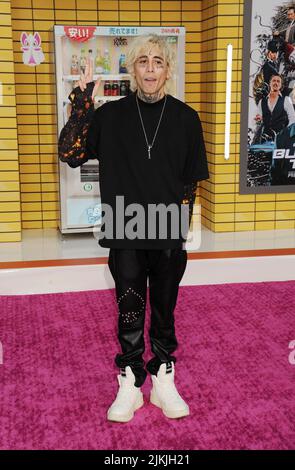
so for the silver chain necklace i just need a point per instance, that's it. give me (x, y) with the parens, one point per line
(150, 146)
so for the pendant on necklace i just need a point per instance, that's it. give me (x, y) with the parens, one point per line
(149, 150)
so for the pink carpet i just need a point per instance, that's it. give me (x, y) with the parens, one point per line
(58, 376)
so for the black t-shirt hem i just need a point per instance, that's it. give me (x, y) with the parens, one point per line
(141, 244)
(199, 177)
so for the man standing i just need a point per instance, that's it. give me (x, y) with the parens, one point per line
(151, 152)
(275, 111)
(290, 31)
(288, 34)
(270, 66)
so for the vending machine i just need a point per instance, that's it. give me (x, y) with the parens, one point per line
(106, 46)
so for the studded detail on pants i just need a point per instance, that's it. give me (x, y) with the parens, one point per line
(131, 269)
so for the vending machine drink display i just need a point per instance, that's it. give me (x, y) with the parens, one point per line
(106, 47)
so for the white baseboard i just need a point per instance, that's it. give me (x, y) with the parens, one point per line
(95, 277)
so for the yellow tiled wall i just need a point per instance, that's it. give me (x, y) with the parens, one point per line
(225, 209)
(10, 214)
(210, 25)
(36, 114)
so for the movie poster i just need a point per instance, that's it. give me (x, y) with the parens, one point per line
(268, 98)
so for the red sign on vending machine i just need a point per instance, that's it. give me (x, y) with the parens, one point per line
(79, 33)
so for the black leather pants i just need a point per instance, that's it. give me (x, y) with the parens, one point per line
(130, 270)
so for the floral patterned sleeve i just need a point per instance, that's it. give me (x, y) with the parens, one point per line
(72, 139)
(190, 192)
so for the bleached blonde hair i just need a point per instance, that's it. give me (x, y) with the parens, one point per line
(140, 46)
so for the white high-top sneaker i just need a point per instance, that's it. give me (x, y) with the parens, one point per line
(129, 398)
(165, 395)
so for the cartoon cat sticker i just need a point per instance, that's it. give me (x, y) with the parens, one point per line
(32, 50)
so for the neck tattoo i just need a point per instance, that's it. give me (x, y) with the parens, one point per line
(152, 98)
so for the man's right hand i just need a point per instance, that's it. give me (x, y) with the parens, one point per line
(87, 77)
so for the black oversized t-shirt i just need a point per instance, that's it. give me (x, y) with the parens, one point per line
(116, 137)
